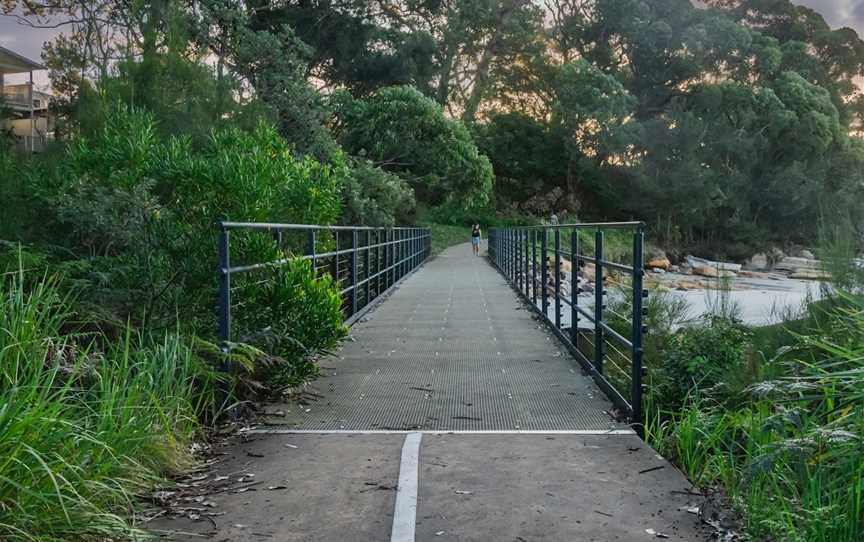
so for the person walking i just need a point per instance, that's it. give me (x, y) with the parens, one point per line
(475, 239)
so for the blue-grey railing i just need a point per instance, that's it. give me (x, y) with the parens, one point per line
(531, 259)
(366, 262)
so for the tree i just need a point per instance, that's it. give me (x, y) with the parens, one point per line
(404, 132)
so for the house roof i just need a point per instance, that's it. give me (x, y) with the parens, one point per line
(12, 62)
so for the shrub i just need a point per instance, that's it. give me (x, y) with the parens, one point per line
(704, 361)
(371, 196)
(408, 134)
(138, 212)
(87, 423)
(298, 315)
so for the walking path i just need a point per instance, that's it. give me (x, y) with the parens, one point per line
(451, 414)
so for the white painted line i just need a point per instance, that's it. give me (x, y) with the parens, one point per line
(277, 431)
(405, 511)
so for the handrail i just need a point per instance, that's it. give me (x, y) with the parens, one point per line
(376, 260)
(227, 225)
(533, 266)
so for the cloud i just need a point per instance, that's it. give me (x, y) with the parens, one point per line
(839, 13)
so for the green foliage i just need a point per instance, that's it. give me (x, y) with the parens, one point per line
(374, 197)
(529, 157)
(788, 451)
(298, 315)
(143, 210)
(406, 133)
(702, 362)
(86, 428)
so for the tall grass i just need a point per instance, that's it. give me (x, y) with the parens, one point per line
(788, 450)
(86, 427)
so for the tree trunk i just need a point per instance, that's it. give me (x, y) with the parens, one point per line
(481, 80)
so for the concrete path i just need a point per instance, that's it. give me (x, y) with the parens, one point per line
(451, 415)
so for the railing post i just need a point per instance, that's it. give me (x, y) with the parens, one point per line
(506, 252)
(544, 276)
(574, 287)
(378, 252)
(310, 249)
(534, 266)
(527, 254)
(637, 416)
(354, 243)
(334, 263)
(401, 253)
(224, 288)
(598, 302)
(388, 257)
(505, 237)
(558, 278)
(517, 261)
(512, 254)
(367, 257)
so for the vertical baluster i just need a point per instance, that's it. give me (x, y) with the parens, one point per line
(544, 276)
(558, 278)
(527, 254)
(310, 249)
(637, 354)
(534, 266)
(353, 271)
(367, 257)
(598, 302)
(224, 288)
(574, 287)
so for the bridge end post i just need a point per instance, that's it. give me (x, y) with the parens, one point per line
(574, 287)
(354, 242)
(533, 235)
(639, 312)
(224, 302)
(544, 275)
(558, 278)
(527, 254)
(598, 302)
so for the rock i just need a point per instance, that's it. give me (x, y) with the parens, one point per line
(795, 265)
(810, 274)
(712, 272)
(658, 270)
(659, 263)
(688, 285)
(756, 275)
(758, 262)
(674, 269)
(695, 262)
(807, 254)
(775, 255)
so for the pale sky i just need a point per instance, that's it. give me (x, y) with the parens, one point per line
(28, 41)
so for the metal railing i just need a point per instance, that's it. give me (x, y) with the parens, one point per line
(365, 262)
(607, 344)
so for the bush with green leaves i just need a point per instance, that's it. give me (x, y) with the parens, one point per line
(87, 424)
(139, 211)
(297, 315)
(404, 132)
(705, 360)
(374, 197)
(789, 452)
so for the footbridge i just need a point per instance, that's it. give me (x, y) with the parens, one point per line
(492, 397)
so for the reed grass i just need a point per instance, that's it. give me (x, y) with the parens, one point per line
(87, 427)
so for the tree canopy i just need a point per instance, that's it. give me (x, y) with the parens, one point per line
(735, 116)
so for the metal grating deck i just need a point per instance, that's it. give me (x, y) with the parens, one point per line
(453, 349)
